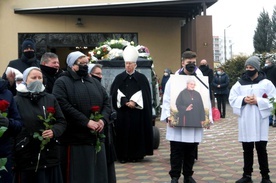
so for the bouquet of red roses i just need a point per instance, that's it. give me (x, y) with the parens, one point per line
(96, 116)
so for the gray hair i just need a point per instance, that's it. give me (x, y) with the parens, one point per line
(46, 56)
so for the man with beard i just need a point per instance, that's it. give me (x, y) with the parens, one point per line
(49, 65)
(207, 71)
(28, 59)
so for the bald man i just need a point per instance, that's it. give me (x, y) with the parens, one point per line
(204, 67)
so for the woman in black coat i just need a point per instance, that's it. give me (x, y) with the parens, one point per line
(37, 163)
(77, 94)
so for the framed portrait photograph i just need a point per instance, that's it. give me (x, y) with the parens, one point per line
(190, 101)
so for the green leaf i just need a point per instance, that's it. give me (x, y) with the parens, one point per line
(40, 117)
(47, 120)
(40, 138)
(3, 162)
(101, 135)
(36, 135)
(93, 132)
(91, 116)
(2, 130)
(98, 146)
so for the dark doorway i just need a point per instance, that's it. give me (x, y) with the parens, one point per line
(64, 43)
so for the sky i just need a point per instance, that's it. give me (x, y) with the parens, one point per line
(241, 18)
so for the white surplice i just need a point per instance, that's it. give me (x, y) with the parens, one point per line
(253, 122)
(179, 134)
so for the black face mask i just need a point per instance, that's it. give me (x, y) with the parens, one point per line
(202, 66)
(29, 54)
(251, 73)
(83, 70)
(190, 67)
(96, 77)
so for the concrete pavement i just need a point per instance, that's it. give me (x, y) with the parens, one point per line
(220, 158)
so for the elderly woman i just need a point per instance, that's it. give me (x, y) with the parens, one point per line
(36, 153)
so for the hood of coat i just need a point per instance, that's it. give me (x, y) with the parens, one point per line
(246, 80)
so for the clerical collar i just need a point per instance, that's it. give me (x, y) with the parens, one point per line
(130, 73)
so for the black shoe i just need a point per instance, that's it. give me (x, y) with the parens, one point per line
(174, 180)
(245, 179)
(189, 180)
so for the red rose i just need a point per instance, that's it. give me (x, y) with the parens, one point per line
(265, 95)
(4, 105)
(51, 110)
(95, 108)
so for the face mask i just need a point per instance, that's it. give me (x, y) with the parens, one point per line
(251, 73)
(83, 70)
(166, 74)
(266, 65)
(219, 72)
(190, 68)
(202, 66)
(35, 86)
(29, 54)
(98, 78)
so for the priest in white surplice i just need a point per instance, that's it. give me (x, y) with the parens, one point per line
(249, 98)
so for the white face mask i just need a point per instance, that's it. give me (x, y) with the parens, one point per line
(166, 74)
(35, 86)
(266, 65)
(219, 72)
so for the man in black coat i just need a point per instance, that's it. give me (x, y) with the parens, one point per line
(207, 71)
(28, 59)
(131, 98)
(49, 65)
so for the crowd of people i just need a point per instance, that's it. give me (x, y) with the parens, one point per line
(62, 126)
(59, 125)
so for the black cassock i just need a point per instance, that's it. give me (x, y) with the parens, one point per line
(134, 133)
(194, 117)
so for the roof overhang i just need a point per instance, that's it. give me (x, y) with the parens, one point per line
(162, 8)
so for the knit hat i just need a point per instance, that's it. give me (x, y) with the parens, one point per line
(73, 57)
(27, 72)
(254, 61)
(28, 43)
(90, 67)
(130, 54)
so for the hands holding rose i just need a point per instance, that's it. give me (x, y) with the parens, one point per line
(96, 125)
